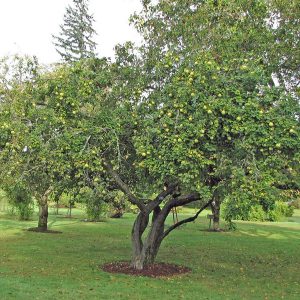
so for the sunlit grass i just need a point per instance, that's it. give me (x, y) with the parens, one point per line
(258, 261)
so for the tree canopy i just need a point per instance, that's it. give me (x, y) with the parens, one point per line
(193, 114)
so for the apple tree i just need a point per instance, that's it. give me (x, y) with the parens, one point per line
(265, 32)
(202, 118)
(45, 117)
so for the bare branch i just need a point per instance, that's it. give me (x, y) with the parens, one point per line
(185, 199)
(124, 187)
(86, 143)
(159, 198)
(191, 219)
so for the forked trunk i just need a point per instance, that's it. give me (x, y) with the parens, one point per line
(138, 229)
(147, 254)
(144, 253)
(147, 257)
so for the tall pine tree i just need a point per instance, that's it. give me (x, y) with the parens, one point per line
(75, 40)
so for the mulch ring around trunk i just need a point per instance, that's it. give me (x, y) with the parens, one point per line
(39, 230)
(153, 270)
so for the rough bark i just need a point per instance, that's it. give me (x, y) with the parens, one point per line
(43, 214)
(138, 229)
(144, 251)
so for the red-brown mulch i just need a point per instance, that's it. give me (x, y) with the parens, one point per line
(154, 270)
(39, 230)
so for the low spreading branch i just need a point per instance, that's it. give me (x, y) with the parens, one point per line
(185, 199)
(191, 219)
(159, 198)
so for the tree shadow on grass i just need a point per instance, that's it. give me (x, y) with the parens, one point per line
(271, 232)
(40, 230)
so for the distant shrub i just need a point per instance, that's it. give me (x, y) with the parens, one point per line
(95, 208)
(247, 208)
(19, 197)
(257, 213)
(281, 209)
(4, 206)
(94, 201)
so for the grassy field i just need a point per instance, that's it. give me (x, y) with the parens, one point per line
(258, 261)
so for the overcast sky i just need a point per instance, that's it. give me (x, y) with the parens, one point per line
(26, 26)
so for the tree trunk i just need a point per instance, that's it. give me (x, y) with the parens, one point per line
(43, 210)
(70, 210)
(139, 226)
(43, 214)
(215, 208)
(145, 253)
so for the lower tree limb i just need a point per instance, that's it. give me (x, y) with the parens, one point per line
(145, 252)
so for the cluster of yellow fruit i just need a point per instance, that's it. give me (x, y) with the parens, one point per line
(4, 126)
(208, 110)
(144, 154)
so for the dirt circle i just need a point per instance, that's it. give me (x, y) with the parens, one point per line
(36, 229)
(154, 270)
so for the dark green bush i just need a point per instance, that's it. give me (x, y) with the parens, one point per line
(281, 209)
(95, 204)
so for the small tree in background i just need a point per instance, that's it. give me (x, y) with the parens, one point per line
(75, 40)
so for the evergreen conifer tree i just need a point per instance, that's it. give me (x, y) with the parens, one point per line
(75, 40)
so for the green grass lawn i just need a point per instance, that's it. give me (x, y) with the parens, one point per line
(258, 261)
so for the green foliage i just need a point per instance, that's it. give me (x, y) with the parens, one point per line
(281, 209)
(75, 41)
(228, 28)
(258, 202)
(15, 70)
(257, 213)
(4, 205)
(65, 199)
(231, 226)
(195, 103)
(214, 124)
(117, 204)
(50, 130)
(94, 203)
